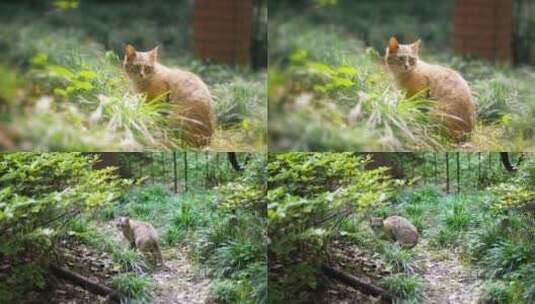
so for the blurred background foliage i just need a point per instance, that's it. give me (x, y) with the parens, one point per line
(63, 87)
(329, 89)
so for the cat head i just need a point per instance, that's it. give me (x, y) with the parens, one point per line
(401, 58)
(122, 222)
(376, 223)
(139, 65)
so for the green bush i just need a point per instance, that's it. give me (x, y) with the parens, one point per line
(134, 286)
(507, 256)
(40, 193)
(495, 292)
(309, 195)
(398, 259)
(402, 285)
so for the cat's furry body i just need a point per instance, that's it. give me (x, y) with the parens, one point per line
(194, 106)
(143, 237)
(455, 108)
(396, 228)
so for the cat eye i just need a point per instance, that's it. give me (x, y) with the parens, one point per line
(135, 68)
(411, 60)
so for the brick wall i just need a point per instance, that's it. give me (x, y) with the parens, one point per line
(483, 28)
(222, 30)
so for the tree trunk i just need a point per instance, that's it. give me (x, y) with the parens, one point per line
(504, 156)
(233, 160)
(484, 28)
(357, 283)
(86, 283)
(111, 159)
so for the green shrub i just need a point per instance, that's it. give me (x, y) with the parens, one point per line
(134, 286)
(41, 193)
(129, 260)
(228, 291)
(403, 285)
(445, 237)
(496, 292)
(398, 259)
(507, 256)
(309, 195)
(458, 219)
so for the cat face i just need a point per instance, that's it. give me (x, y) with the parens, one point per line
(376, 223)
(122, 222)
(401, 58)
(139, 65)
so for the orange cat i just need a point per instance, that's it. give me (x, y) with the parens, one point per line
(194, 106)
(455, 108)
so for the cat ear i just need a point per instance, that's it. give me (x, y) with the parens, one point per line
(129, 52)
(153, 54)
(393, 45)
(415, 47)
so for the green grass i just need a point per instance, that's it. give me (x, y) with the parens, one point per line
(499, 246)
(65, 89)
(329, 91)
(404, 286)
(134, 286)
(229, 245)
(398, 259)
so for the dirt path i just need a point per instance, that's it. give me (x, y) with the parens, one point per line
(448, 280)
(178, 282)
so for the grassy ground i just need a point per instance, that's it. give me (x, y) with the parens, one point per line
(465, 253)
(329, 91)
(62, 86)
(208, 254)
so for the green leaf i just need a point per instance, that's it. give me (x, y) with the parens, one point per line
(347, 71)
(60, 92)
(87, 74)
(299, 55)
(60, 72)
(39, 59)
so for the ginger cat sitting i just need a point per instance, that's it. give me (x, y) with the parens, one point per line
(455, 108)
(194, 106)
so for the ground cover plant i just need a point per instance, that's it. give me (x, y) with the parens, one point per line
(329, 89)
(209, 215)
(474, 217)
(63, 88)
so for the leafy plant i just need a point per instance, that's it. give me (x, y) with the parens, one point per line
(310, 194)
(134, 286)
(41, 193)
(403, 285)
(398, 259)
